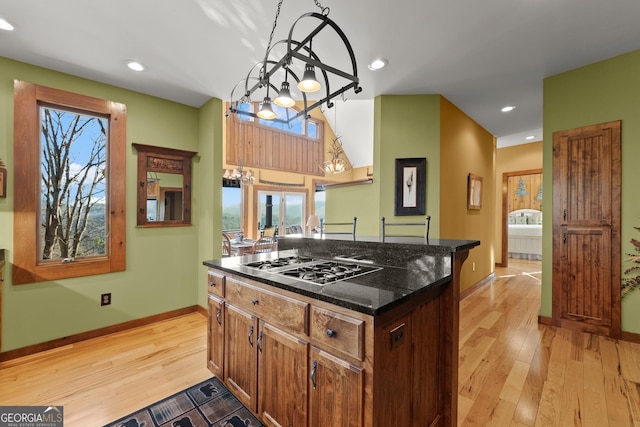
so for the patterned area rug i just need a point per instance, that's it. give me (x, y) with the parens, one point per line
(209, 403)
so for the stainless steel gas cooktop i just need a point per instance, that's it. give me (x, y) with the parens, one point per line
(315, 270)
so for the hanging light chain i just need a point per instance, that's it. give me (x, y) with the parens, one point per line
(263, 71)
(324, 10)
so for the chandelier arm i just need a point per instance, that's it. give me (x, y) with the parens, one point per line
(260, 83)
(295, 49)
(311, 58)
(325, 20)
(234, 110)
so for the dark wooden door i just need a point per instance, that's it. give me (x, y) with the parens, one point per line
(336, 391)
(240, 363)
(215, 343)
(586, 229)
(282, 377)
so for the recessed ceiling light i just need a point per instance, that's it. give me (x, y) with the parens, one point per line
(135, 66)
(530, 137)
(508, 108)
(378, 63)
(6, 25)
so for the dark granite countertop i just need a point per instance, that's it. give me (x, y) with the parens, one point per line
(409, 268)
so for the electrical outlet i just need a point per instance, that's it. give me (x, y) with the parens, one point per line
(397, 336)
(473, 266)
(105, 299)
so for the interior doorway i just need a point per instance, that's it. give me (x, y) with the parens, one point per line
(522, 198)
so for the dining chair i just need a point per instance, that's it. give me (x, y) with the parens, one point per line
(269, 231)
(226, 245)
(264, 245)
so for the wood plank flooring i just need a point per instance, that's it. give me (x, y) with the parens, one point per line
(512, 371)
(103, 379)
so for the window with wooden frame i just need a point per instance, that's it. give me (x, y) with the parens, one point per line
(267, 147)
(69, 177)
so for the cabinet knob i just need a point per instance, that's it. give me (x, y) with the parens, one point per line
(331, 333)
(212, 283)
(254, 301)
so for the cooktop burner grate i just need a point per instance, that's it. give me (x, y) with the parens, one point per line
(279, 262)
(317, 271)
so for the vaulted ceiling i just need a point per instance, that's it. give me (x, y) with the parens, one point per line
(479, 55)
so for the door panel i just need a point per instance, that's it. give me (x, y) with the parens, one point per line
(586, 228)
(587, 265)
(282, 361)
(215, 345)
(335, 390)
(240, 367)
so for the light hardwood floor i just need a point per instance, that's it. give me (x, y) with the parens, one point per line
(513, 372)
(103, 379)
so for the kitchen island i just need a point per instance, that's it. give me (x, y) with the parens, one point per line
(376, 344)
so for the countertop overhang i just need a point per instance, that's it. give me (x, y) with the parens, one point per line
(410, 267)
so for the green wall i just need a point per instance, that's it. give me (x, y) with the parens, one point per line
(404, 126)
(598, 93)
(163, 264)
(409, 126)
(208, 215)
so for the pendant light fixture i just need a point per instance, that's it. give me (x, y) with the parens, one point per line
(299, 56)
(309, 83)
(266, 112)
(337, 162)
(284, 98)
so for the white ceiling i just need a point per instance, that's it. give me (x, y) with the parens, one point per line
(479, 55)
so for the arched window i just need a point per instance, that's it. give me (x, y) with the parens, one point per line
(298, 126)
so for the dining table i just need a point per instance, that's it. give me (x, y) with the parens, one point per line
(242, 247)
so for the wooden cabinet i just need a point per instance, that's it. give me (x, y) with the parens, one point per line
(335, 391)
(264, 365)
(240, 361)
(282, 377)
(215, 342)
(298, 361)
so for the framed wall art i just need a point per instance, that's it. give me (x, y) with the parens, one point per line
(411, 186)
(474, 192)
(3, 180)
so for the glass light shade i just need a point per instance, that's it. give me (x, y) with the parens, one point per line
(313, 221)
(309, 83)
(265, 110)
(284, 96)
(335, 165)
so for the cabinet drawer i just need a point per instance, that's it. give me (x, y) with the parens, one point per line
(337, 331)
(269, 306)
(216, 284)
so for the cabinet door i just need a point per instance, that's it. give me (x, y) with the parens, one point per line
(215, 342)
(282, 378)
(335, 391)
(241, 332)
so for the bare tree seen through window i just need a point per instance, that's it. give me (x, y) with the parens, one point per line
(73, 194)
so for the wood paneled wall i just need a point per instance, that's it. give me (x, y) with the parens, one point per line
(524, 191)
(267, 148)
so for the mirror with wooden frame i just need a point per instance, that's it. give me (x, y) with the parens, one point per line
(163, 186)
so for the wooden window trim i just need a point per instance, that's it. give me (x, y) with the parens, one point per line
(27, 269)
